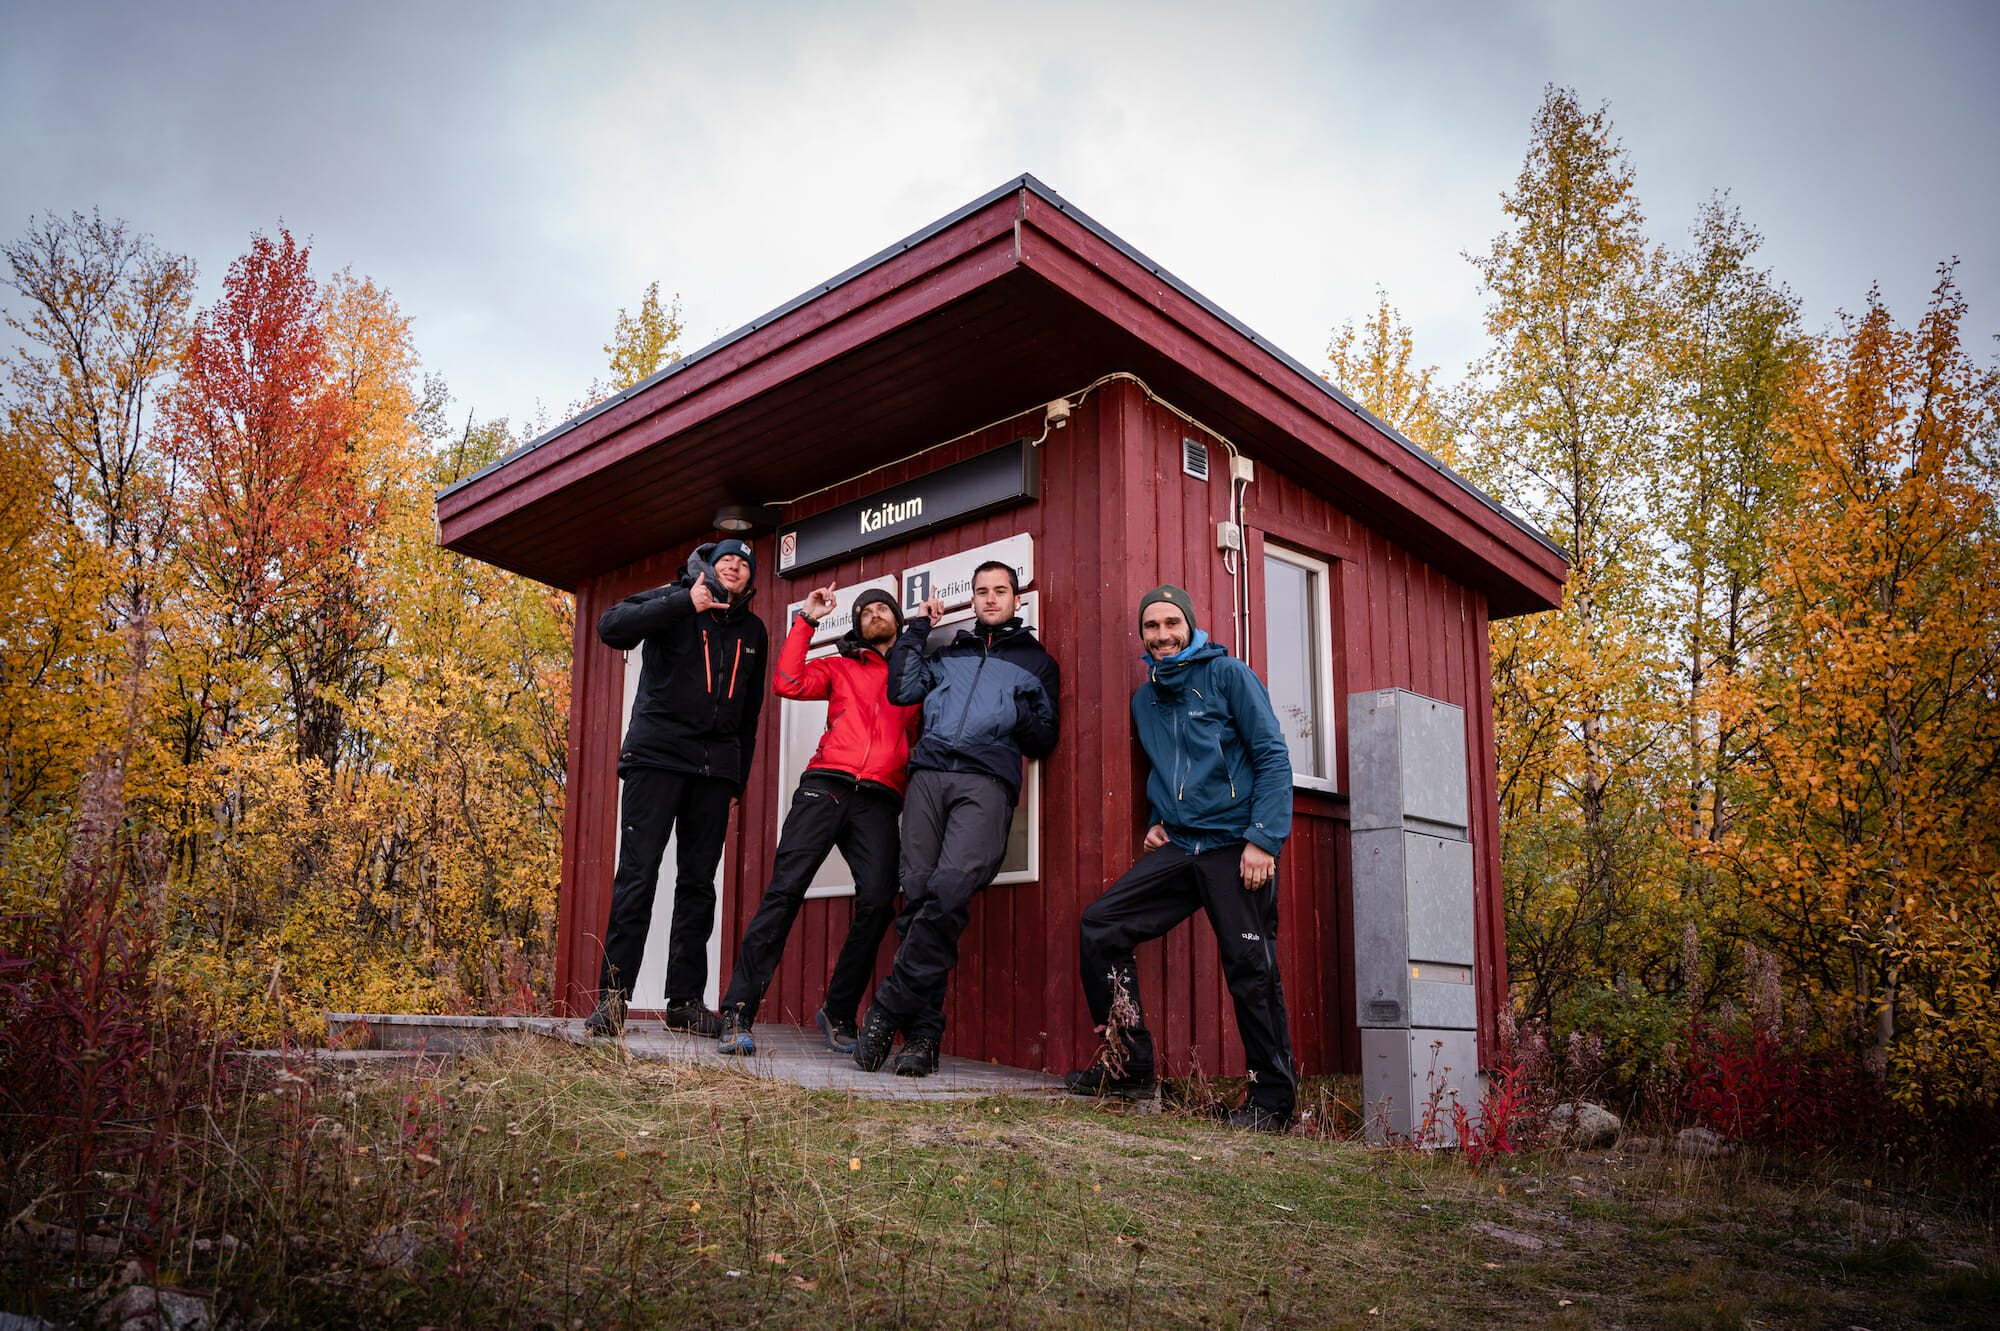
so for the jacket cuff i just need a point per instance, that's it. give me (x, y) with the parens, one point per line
(1263, 840)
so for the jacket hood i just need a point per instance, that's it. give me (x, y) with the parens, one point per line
(1170, 672)
(701, 568)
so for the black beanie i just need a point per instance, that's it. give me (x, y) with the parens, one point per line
(1166, 591)
(732, 546)
(869, 597)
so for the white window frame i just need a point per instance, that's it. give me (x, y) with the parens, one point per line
(1319, 589)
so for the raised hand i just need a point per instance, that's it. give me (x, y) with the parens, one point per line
(820, 602)
(703, 598)
(934, 607)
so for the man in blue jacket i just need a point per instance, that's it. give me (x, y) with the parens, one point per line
(989, 700)
(1221, 799)
(685, 758)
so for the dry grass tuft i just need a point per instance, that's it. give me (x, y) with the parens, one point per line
(538, 1185)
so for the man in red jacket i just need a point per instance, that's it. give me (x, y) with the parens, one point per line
(850, 796)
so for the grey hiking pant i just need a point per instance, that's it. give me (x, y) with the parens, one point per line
(955, 827)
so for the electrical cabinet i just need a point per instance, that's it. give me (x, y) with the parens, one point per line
(1413, 936)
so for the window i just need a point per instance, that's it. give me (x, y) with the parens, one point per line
(1298, 660)
(800, 726)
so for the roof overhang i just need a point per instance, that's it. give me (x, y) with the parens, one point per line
(1010, 302)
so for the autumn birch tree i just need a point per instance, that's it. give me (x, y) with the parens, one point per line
(1376, 365)
(1729, 342)
(1565, 428)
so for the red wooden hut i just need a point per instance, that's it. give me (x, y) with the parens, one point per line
(1066, 395)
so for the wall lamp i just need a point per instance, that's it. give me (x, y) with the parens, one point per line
(738, 519)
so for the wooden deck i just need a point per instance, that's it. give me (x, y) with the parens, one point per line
(784, 1053)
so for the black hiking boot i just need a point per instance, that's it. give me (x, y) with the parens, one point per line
(693, 1018)
(1134, 1079)
(918, 1059)
(1255, 1118)
(871, 1043)
(609, 1019)
(1096, 1080)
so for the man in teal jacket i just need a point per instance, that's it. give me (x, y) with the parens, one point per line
(1221, 806)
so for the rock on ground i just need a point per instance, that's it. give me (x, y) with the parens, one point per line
(399, 1247)
(1702, 1144)
(1587, 1125)
(143, 1308)
(1505, 1235)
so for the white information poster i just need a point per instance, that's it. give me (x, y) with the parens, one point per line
(951, 576)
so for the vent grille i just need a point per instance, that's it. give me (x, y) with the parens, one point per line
(1194, 458)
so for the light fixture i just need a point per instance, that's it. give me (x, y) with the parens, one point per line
(738, 519)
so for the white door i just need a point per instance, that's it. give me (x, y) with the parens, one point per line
(651, 989)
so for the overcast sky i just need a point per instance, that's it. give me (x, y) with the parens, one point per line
(516, 173)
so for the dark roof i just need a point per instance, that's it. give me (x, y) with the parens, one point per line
(1009, 303)
(1027, 182)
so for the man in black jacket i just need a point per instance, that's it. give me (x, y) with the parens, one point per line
(684, 761)
(989, 699)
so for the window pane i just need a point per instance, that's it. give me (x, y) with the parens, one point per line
(1291, 627)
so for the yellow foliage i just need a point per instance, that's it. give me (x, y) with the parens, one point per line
(1871, 836)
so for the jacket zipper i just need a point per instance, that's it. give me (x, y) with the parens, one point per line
(707, 662)
(868, 748)
(970, 691)
(735, 666)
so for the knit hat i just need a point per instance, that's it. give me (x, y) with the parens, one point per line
(869, 597)
(732, 546)
(1173, 595)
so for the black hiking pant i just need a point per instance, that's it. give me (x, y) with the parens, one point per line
(827, 811)
(955, 827)
(694, 810)
(1165, 887)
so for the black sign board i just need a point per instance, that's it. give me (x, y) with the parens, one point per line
(1000, 478)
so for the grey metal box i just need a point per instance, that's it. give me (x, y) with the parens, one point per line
(1401, 1072)
(1406, 763)
(1443, 1004)
(1412, 904)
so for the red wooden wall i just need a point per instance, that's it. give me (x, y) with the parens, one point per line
(1116, 516)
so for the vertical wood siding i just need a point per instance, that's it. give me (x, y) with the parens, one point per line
(1117, 516)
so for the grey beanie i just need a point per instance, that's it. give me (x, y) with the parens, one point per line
(869, 597)
(1166, 591)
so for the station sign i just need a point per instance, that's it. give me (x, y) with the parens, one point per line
(996, 479)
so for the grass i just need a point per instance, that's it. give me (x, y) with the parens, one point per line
(540, 1186)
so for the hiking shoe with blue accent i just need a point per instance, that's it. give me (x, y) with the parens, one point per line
(735, 1037)
(840, 1035)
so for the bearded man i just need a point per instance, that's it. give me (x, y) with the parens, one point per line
(850, 796)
